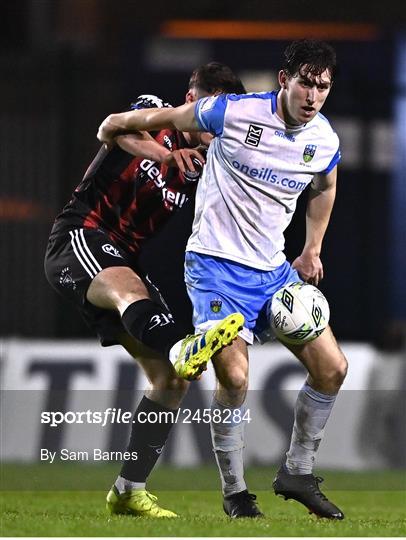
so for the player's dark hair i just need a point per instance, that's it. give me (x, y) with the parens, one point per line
(216, 77)
(317, 56)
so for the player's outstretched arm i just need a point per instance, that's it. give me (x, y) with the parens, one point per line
(145, 146)
(318, 212)
(141, 144)
(181, 118)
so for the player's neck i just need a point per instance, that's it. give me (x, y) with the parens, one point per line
(283, 113)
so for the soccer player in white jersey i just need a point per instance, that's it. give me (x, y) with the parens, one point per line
(267, 148)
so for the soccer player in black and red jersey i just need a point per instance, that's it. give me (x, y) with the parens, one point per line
(130, 190)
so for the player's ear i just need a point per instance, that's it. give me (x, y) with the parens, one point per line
(282, 78)
(190, 96)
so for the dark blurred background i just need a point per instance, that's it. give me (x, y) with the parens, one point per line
(66, 64)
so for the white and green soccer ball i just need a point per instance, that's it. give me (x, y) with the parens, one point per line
(299, 313)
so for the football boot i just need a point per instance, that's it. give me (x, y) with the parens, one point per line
(304, 488)
(136, 503)
(242, 505)
(197, 350)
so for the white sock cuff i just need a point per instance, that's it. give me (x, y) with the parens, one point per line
(123, 485)
(231, 416)
(316, 395)
(228, 431)
(174, 351)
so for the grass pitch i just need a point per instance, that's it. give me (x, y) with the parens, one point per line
(59, 510)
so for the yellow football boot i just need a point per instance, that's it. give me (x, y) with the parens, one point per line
(136, 503)
(198, 349)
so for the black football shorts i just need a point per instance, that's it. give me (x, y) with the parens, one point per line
(73, 259)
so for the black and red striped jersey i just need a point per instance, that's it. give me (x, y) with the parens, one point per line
(128, 197)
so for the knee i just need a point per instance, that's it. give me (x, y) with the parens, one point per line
(340, 370)
(334, 377)
(175, 387)
(235, 380)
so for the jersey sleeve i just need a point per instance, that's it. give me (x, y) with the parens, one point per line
(333, 162)
(210, 112)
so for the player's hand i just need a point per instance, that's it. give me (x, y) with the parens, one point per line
(309, 267)
(184, 159)
(105, 133)
(111, 128)
(205, 138)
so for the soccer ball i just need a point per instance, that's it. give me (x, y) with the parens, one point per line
(298, 313)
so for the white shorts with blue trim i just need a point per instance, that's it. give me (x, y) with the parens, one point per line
(218, 287)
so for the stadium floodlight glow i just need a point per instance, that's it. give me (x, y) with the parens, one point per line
(278, 30)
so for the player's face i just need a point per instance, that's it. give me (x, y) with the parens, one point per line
(194, 94)
(304, 95)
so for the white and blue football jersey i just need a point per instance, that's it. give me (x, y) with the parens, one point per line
(256, 168)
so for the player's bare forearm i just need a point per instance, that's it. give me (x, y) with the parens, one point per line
(143, 145)
(319, 208)
(181, 118)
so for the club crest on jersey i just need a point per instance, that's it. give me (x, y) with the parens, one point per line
(254, 134)
(66, 279)
(308, 152)
(111, 250)
(215, 305)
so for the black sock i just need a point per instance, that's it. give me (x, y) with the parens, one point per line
(147, 438)
(152, 324)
